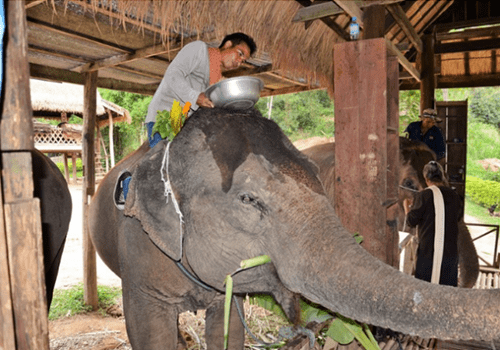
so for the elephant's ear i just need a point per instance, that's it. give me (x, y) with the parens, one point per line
(146, 201)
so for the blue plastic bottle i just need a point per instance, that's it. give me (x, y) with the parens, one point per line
(354, 29)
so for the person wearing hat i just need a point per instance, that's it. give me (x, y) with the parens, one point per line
(426, 131)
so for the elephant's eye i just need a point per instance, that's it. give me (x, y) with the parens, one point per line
(246, 198)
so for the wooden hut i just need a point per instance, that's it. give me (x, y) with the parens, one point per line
(127, 45)
(59, 101)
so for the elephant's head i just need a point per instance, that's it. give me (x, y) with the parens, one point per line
(244, 191)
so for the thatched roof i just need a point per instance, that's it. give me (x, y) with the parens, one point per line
(49, 99)
(131, 43)
(49, 96)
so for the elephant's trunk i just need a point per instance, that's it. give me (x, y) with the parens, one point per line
(340, 275)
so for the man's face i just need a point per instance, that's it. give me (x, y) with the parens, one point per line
(428, 122)
(234, 56)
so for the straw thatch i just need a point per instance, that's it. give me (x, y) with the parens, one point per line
(293, 49)
(60, 97)
(51, 97)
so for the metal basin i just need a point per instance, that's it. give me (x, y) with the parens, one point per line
(235, 93)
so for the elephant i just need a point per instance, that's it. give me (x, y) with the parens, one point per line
(413, 157)
(55, 206)
(229, 187)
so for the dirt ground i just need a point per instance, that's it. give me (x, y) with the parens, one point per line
(95, 331)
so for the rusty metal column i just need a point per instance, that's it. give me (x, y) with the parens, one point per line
(363, 101)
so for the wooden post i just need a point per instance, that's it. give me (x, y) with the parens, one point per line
(66, 168)
(111, 142)
(89, 254)
(428, 83)
(23, 304)
(75, 174)
(366, 95)
(374, 22)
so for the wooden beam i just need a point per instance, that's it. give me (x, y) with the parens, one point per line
(56, 74)
(402, 60)
(400, 17)
(288, 90)
(352, 9)
(343, 35)
(470, 33)
(468, 46)
(327, 9)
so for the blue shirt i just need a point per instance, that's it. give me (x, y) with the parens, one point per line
(432, 138)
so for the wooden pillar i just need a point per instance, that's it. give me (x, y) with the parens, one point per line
(66, 168)
(111, 142)
(23, 304)
(366, 143)
(88, 156)
(428, 83)
(75, 173)
(374, 22)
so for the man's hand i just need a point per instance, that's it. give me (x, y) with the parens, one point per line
(204, 101)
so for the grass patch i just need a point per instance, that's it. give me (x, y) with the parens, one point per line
(480, 213)
(68, 302)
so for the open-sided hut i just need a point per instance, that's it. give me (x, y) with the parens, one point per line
(59, 101)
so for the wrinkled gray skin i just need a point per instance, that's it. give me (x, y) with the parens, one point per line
(244, 191)
(55, 205)
(413, 157)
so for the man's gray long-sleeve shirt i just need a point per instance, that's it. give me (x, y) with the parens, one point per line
(186, 77)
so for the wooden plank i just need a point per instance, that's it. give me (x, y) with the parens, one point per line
(328, 9)
(89, 253)
(55, 74)
(17, 176)
(392, 213)
(343, 35)
(16, 128)
(468, 46)
(403, 61)
(353, 10)
(469, 34)
(24, 240)
(400, 17)
(7, 335)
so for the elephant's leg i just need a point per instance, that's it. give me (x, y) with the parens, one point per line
(151, 323)
(214, 326)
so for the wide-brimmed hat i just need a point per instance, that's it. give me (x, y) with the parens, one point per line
(431, 113)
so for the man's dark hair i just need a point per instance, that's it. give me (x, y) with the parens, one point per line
(238, 38)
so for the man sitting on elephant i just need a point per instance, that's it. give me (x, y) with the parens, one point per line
(194, 68)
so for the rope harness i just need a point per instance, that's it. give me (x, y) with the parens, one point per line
(284, 332)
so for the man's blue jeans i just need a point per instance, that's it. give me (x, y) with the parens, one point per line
(155, 138)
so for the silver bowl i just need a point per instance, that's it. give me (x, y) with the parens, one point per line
(235, 93)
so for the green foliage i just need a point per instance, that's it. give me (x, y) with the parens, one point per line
(127, 137)
(301, 115)
(68, 302)
(483, 192)
(484, 105)
(409, 108)
(79, 166)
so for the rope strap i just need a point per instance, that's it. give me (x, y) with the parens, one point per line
(169, 192)
(438, 234)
